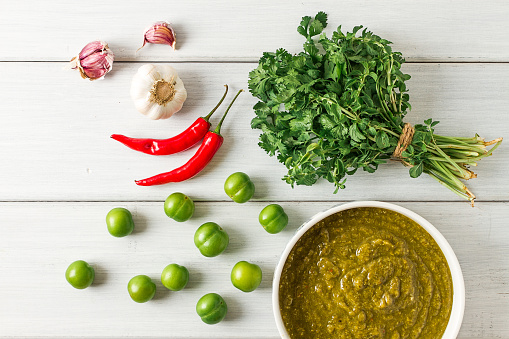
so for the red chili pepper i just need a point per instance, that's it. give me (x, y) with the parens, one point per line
(211, 143)
(181, 142)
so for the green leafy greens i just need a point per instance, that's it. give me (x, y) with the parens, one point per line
(339, 105)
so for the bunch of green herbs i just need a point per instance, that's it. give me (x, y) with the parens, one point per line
(339, 105)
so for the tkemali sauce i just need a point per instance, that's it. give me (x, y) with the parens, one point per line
(366, 273)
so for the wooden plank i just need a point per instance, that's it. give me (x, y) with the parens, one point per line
(423, 30)
(56, 127)
(39, 240)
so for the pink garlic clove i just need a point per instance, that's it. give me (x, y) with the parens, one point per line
(160, 33)
(94, 60)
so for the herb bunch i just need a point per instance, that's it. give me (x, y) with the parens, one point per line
(339, 105)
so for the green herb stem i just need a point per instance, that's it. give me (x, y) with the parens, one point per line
(457, 160)
(472, 140)
(453, 188)
(389, 131)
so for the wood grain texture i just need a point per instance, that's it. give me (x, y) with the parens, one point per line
(56, 146)
(434, 30)
(39, 240)
(60, 173)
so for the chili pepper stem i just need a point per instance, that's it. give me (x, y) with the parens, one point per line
(218, 128)
(207, 117)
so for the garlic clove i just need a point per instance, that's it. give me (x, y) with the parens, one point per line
(159, 33)
(94, 60)
(142, 94)
(147, 70)
(167, 72)
(143, 104)
(92, 48)
(154, 112)
(181, 94)
(142, 89)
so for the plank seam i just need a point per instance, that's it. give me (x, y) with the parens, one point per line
(254, 201)
(244, 61)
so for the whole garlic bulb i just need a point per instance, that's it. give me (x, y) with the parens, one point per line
(157, 91)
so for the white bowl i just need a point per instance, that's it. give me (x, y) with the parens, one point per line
(458, 300)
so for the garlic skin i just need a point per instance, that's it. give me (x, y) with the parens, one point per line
(159, 33)
(94, 60)
(157, 91)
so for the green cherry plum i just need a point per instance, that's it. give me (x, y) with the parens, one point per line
(80, 274)
(239, 187)
(246, 276)
(179, 207)
(120, 222)
(273, 218)
(211, 308)
(175, 277)
(211, 239)
(141, 288)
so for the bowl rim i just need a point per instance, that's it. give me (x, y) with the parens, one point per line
(458, 303)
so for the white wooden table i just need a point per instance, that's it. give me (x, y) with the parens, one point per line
(60, 173)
